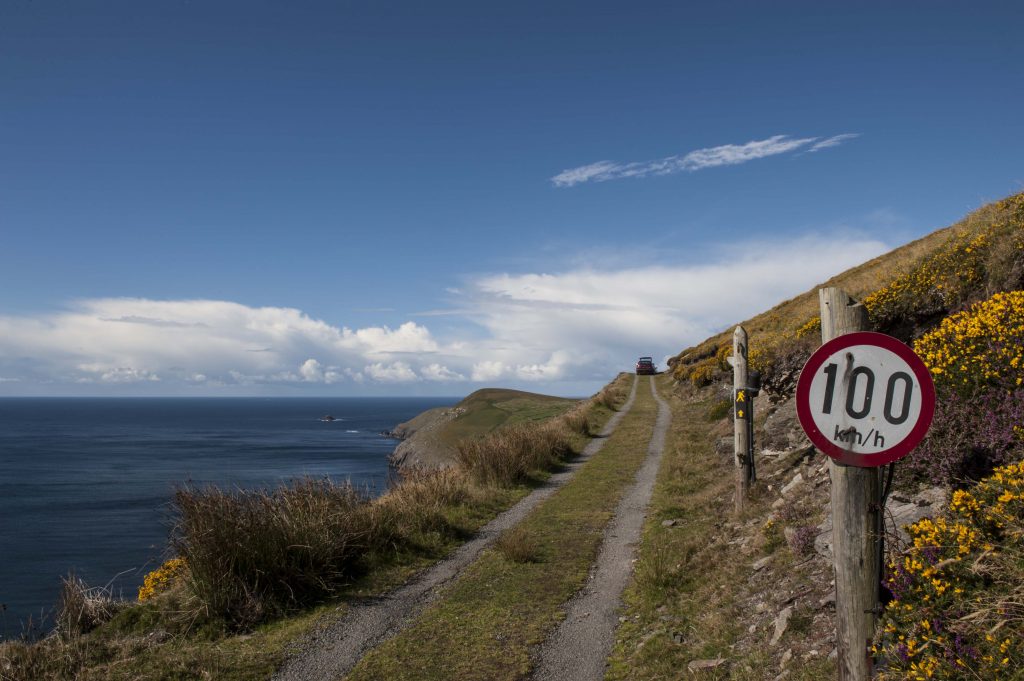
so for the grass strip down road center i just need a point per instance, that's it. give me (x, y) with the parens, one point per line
(488, 622)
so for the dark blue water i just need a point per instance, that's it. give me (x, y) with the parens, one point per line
(85, 483)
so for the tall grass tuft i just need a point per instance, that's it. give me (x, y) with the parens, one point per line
(83, 608)
(512, 453)
(611, 396)
(255, 554)
(577, 419)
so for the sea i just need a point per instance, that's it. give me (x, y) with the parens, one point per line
(86, 484)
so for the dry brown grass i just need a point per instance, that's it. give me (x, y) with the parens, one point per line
(512, 454)
(611, 397)
(82, 608)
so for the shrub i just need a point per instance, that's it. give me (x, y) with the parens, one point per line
(969, 437)
(781, 361)
(703, 374)
(162, 579)
(722, 357)
(801, 540)
(256, 554)
(982, 346)
(968, 267)
(957, 590)
(810, 329)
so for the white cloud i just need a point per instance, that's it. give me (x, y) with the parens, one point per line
(488, 370)
(573, 326)
(437, 372)
(396, 372)
(311, 371)
(710, 157)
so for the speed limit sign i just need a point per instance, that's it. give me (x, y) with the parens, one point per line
(865, 399)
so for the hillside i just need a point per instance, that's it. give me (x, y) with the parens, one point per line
(907, 291)
(954, 519)
(430, 439)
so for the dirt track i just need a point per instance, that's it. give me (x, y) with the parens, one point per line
(332, 652)
(577, 650)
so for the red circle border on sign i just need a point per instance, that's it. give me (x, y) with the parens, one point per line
(821, 440)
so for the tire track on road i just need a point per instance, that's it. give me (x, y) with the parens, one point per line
(579, 648)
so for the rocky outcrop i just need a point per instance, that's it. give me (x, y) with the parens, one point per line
(422, 445)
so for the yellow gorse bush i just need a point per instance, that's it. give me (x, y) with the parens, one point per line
(161, 579)
(983, 345)
(938, 282)
(956, 612)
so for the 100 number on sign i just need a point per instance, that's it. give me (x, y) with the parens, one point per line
(865, 399)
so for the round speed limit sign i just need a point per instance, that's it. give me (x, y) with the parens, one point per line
(865, 399)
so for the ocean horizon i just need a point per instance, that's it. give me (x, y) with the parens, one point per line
(86, 482)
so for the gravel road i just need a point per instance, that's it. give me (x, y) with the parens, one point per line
(579, 647)
(333, 651)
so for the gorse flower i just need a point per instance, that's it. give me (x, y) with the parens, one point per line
(957, 584)
(161, 579)
(982, 346)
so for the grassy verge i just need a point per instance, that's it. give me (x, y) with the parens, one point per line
(695, 595)
(264, 568)
(506, 602)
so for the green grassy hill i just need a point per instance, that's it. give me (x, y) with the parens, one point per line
(490, 408)
(431, 439)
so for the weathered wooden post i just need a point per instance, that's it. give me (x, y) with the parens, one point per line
(856, 515)
(741, 416)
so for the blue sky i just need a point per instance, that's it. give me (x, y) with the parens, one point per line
(423, 198)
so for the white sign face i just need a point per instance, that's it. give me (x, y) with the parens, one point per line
(865, 399)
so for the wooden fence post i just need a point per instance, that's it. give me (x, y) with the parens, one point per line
(856, 512)
(741, 416)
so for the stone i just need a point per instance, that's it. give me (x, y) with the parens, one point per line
(697, 665)
(778, 503)
(786, 657)
(668, 523)
(781, 622)
(761, 564)
(797, 480)
(901, 511)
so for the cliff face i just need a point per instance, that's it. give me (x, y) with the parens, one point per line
(422, 445)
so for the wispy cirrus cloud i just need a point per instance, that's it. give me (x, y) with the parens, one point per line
(833, 141)
(699, 159)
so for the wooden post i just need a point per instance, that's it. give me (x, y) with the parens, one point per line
(741, 416)
(856, 496)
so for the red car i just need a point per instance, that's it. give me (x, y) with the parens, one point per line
(645, 365)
